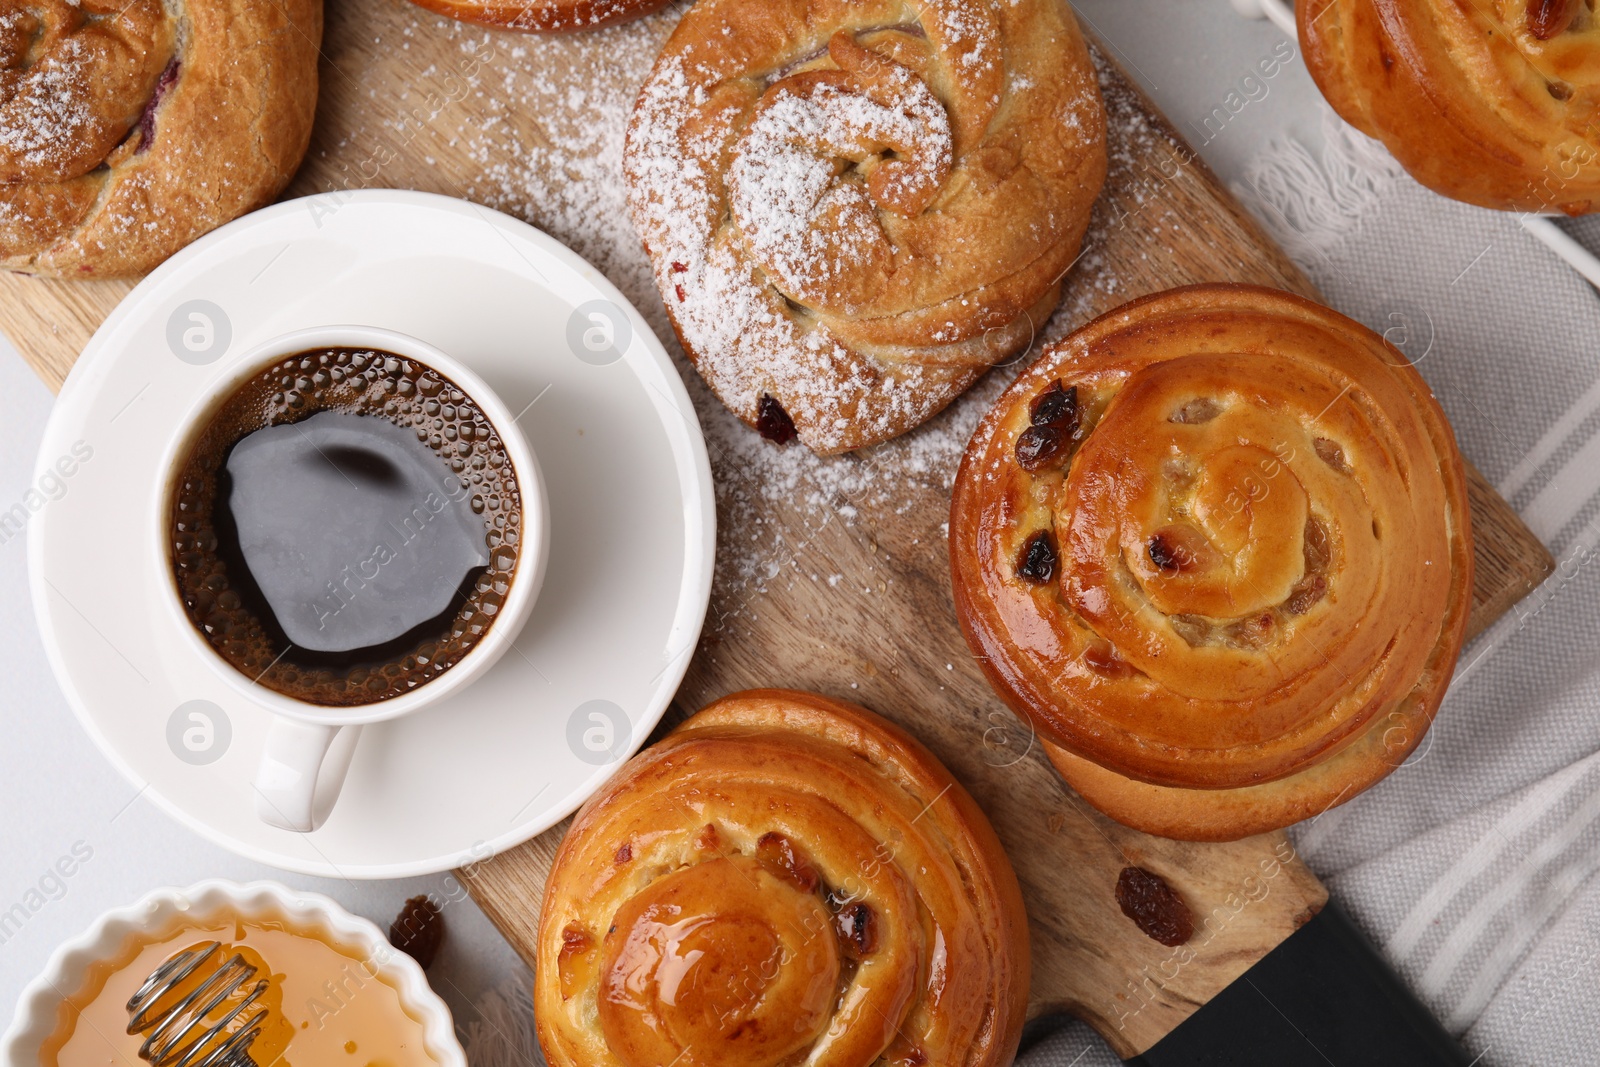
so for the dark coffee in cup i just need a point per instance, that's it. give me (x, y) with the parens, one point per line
(345, 526)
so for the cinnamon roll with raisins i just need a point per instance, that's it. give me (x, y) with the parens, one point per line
(130, 127)
(1490, 103)
(783, 879)
(1215, 547)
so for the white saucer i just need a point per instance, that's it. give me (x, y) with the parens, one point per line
(632, 528)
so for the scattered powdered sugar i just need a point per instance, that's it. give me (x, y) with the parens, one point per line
(543, 122)
(598, 13)
(548, 148)
(970, 31)
(49, 108)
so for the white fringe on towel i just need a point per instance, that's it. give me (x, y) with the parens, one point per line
(503, 1034)
(1312, 205)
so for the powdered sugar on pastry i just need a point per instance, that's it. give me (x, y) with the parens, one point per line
(846, 215)
(49, 109)
(130, 127)
(75, 81)
(801, 221)
(729, 322)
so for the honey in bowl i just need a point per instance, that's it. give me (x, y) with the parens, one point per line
(328, 1005)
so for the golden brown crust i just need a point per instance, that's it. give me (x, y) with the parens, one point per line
(1493, 104)
(855, 207)
(1232, 586)
(807, 878)
(127, 130)
(543, 16)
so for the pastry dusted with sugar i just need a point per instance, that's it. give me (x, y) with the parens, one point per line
(784, 879)
(1492, 103)
(128, 128)
(1215, 546)
(853, 208)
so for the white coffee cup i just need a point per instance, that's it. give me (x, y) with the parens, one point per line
(309, 746)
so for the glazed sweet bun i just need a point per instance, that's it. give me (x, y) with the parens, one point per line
(784, 879)
(1215, 547)
(1490, 103)
(543, 16)
(130, 127)
(855, 207)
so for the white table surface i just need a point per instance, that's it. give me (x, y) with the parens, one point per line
(57, 790)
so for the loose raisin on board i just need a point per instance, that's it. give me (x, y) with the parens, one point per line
(1037, 561)
(1154, 906)
(418, 930)
(774, 423)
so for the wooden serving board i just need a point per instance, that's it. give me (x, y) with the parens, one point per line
(832, 575)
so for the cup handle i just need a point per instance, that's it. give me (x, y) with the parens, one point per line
(302, 769)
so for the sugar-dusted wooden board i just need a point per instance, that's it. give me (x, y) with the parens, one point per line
(832, 574)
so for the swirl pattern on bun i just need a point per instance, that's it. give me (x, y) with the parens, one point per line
(783, 879)
(1215, 546)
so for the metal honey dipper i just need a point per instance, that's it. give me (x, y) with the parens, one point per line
(191, 1031)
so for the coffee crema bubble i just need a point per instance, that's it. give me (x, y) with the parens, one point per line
(359, 541)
